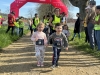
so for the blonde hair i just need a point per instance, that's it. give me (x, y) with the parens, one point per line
(40, 24)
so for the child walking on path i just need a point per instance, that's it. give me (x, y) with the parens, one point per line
(66, 31)
(40, 40)
(58, 41)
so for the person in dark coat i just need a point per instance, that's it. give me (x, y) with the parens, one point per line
(77, 27)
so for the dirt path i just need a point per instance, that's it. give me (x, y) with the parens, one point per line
(19, 59)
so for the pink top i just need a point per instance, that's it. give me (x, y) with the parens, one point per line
(39, 35)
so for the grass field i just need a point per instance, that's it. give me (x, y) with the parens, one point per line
(81, 45)
(7, 38)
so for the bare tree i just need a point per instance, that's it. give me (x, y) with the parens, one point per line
(45, 8)
(7, 10)
(30, 12)
(81, 4)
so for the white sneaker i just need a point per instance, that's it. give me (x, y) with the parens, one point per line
(42, 64)
(53, 67)
(38, 64)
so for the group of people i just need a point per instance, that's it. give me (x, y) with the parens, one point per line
(53, 23)
(92, 25)
(17, 25)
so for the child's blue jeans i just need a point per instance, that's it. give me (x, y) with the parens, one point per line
(56, 54)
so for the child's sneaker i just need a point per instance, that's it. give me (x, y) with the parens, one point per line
(57, 66)
(38, 64)
(42, 64)
(53, 67)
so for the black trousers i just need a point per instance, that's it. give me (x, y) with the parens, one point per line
(21, 31)
(12, 31)
(86, 33)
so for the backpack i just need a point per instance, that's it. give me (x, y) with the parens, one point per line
(10, 19)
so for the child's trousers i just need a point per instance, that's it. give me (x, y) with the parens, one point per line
(39, 53)
(56, 54)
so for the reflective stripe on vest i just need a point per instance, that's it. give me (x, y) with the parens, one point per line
(97, 27)
(36, 23)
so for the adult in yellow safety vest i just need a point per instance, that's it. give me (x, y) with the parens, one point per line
(54, 19)
(21, 26)
(46, 20)
(36, 21)
(17, 26)
(97, 27)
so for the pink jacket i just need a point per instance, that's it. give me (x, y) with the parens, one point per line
(39, 35)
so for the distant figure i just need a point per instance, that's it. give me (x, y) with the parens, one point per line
(36, 21)
(97, 26)
(77, 27)
(85, 26)
(0, 21)
(66, 30)
(90, 26)
(11, 20)
(21, 26)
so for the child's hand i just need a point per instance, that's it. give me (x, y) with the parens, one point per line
(36, 39)
(46, 45)
(66, 48)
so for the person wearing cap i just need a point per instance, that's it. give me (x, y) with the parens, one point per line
(97, 27)
(11, 20)
(90, 25)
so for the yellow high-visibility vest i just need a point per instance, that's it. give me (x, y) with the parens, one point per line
(36, 23)
(96, 26)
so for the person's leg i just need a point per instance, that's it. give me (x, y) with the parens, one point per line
(58, 54)
(98, 39)
(37, 54)
(22, 31)
(42, 54)
(17, 31)
(73, 37)
(79, 35)
(91, 35)
(8, 29)
(54, 56)
(12, 31)
(87, 35)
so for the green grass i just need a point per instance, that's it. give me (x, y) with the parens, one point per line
(6, 38)
(80, 45)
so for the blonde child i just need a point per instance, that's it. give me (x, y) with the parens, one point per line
(40, 40)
